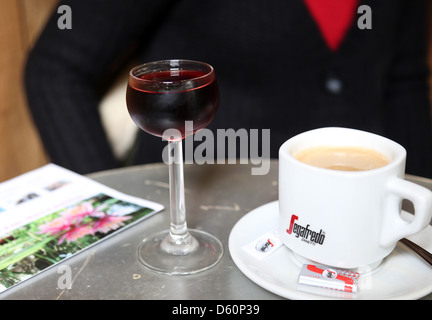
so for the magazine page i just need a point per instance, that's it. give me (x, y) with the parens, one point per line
(51, 213)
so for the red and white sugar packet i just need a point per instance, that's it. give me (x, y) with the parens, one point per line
(329, 277)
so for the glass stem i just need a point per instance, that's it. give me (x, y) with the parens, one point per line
(176, 181)
(178, 241)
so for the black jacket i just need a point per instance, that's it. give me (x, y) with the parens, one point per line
(273, 67)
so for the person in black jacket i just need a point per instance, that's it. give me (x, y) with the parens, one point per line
(280, 65)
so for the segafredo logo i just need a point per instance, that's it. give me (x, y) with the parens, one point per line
(307, 235)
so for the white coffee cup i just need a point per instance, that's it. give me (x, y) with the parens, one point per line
(347, 219)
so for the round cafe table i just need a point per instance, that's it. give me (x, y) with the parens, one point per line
(217, 196)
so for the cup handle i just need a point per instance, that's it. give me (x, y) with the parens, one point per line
(396, 228)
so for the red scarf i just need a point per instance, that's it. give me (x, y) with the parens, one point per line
(334, 18)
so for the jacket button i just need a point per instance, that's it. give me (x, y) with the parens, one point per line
(333, 84)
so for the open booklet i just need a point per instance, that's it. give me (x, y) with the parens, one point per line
(49, 214)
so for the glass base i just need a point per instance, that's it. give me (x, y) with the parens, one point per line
(180, 256)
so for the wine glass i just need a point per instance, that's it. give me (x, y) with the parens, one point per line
(161, 96)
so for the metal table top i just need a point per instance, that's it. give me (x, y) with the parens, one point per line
(217, 196)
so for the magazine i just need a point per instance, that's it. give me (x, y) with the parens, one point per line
(51, 213)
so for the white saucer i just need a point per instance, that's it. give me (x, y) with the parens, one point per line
(401, 275)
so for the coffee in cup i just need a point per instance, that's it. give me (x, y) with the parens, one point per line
(342, 158)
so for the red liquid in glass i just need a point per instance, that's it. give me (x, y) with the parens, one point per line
(159, 109)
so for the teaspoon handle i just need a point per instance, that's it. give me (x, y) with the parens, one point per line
(417, 249)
